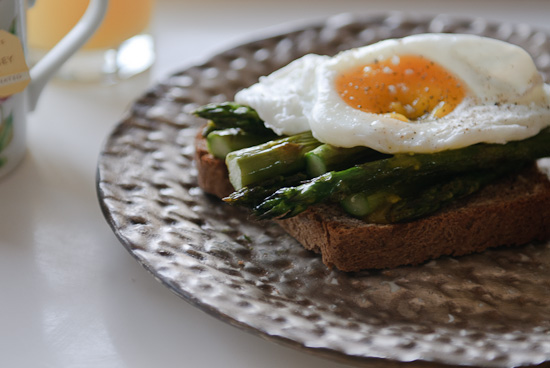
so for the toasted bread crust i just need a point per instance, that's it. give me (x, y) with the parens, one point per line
(511, 211)
(212, 173)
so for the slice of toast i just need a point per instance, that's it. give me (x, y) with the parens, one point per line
(512, 211)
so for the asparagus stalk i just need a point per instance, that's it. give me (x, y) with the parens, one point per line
(435, 197)
(221, 142)
(232, 115)
(251, 196)
(282, 156)
(327, 158)
(363, 204)
(372, 176)
(209, 128)
(408, 202)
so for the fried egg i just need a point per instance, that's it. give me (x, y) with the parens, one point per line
(419, 94)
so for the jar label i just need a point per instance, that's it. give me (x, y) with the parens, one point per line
(14, 72)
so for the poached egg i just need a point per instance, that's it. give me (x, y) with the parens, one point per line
(419, 94)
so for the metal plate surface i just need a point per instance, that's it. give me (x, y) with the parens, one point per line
(490, 309)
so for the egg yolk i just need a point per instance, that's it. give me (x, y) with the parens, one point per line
(407, 87)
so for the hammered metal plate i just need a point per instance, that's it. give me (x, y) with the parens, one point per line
(490, 309)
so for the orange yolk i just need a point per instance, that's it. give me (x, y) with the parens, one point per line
(405, 87)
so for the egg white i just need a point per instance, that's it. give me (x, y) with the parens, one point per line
(284, 98)
(506, 98)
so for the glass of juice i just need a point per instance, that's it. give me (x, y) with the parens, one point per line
(120, 49)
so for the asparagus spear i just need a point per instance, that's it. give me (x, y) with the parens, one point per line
(221, 142)
(363, 204)
(277, 157)
(435, 197)
(328, 158)
(232, 115)
(251, 196)
(209, 128)
(335, 185)
(408, 202)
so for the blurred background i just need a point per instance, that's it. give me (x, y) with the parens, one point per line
(215, 24)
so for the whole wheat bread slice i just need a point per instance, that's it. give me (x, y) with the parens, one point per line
(512, 211)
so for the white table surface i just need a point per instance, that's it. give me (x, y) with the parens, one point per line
(70, 294)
